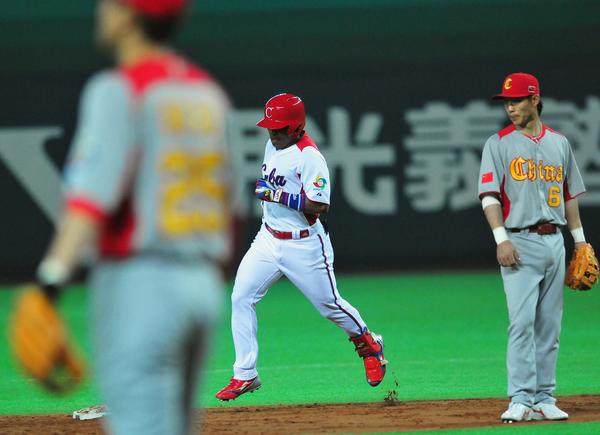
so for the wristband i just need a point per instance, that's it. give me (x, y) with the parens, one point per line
(489, 200)
(295, 201)
(578, 236)
(500, 235)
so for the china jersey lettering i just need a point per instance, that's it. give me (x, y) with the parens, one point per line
(298, 168)
(534, 177)
(149, 160)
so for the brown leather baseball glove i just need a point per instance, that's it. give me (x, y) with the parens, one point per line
(39, 340)
(583, 268)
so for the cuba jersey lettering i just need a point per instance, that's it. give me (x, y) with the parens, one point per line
(534, 177)
(149, 160)
(296, 169)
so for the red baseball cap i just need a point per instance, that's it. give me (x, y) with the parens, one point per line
(518, 85)
(157, 8)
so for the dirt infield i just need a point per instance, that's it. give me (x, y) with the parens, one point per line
(389, 416)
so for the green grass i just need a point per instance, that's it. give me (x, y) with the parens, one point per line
(445, 338)
(562, 428)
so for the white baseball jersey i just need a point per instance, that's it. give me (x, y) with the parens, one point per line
(307, 262)
(296, 169)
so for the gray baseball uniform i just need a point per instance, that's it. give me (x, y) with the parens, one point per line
(149, 162)
(533, 177)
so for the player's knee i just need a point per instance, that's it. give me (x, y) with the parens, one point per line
(238, 298)
(548, 327)
(521, 326)
(241, 297)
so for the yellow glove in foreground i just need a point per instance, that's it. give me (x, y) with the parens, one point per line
(39, 340)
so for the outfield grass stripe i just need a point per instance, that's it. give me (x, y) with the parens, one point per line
(558, 428)
(445, 337)
(405, 363)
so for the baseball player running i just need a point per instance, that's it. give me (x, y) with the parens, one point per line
(295, 188)
(146, 182)
(529, 184)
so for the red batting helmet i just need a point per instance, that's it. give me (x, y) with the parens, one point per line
(284, 110)
(157, 8)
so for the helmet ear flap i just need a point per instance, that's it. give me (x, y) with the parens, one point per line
(293, 133)
(296, 131)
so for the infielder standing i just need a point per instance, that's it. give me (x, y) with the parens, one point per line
(146, 183)
(529, 183)
(295, 188)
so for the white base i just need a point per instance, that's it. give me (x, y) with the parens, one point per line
(91, 413)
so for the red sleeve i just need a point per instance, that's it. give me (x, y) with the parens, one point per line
(87, 207)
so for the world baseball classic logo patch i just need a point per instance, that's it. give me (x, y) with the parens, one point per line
(320, 183)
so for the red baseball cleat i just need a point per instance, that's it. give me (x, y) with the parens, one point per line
(370, 348)
(237, 387)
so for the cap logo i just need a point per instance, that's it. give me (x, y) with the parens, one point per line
(268, 112)
(508, 83)
(531, 89)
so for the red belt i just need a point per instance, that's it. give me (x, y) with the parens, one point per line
(286, 235)
(541, 229)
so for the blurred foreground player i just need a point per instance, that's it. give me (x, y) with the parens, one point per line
(529, 184)
(146, 182)
(295, 188)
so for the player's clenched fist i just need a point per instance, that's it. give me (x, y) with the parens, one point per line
(267, 192)
(264, 190)
(507, 254)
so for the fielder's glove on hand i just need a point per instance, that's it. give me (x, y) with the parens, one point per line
(39, 340)
(267, 192)
(583, 268)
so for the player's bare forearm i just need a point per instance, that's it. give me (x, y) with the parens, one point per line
(493, 214)
(506, 253)
(574, 221)
(572, 214)
(313, 207)
(75, 233)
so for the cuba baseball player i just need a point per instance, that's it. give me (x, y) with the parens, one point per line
(295, 188)
(146, 181)
(529, 184)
